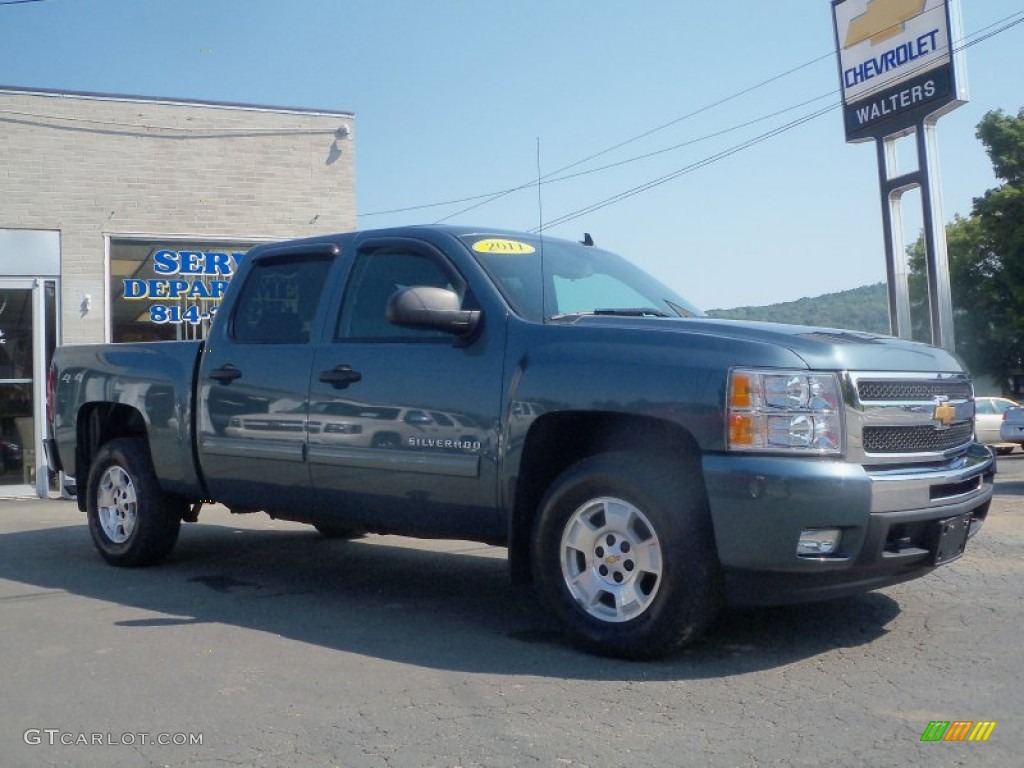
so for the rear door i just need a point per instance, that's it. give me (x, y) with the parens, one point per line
(254, 381)
(416, 447)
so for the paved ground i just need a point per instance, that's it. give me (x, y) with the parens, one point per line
(278, 648)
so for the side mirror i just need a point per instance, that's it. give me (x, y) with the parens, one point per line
(439, 309)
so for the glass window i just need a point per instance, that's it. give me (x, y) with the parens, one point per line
(279, 299)
(376, 276)
(570, 279)
(164, 290)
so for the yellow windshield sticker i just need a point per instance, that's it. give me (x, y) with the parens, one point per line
(498, 245)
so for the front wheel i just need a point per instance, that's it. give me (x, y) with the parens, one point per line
(132, 521)
(625, 556)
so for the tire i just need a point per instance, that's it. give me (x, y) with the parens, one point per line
(1004, 450)
(624, 554)
(132, 521)
(331, 531)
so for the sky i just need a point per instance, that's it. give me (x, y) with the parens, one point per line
(457, 99)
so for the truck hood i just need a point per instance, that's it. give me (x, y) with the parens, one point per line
(819, 348)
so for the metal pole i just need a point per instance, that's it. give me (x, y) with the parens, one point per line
(892, 223)
(39, 374)
(940, 299)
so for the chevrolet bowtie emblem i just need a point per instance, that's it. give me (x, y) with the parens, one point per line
(944, 414)
(882, 20)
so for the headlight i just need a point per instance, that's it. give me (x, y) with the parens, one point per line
(784, 411)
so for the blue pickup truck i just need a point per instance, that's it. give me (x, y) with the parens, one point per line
(642, 463)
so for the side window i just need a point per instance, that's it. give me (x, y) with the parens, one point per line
(376, 276)
(279, 299)
(984, 406)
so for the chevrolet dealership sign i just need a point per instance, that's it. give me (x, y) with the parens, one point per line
(896, 63)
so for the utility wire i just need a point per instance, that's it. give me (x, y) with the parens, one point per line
(554, 176)
(689, 168)
(645, 134)
(551, 178)
(747, 144)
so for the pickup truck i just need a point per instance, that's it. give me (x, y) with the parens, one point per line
(643, 464)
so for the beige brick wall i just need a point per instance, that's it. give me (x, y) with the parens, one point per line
(93, 167)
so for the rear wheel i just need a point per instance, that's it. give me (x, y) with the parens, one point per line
(625, 556)
(132, 521)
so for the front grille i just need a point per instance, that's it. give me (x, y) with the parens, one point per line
(923, 438)
(891, 391)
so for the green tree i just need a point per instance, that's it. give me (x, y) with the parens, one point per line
(986, 260)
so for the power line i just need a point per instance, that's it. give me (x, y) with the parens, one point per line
(751, 142)
(480, 200)
(688, 169)
(550, 178)
(645, 134)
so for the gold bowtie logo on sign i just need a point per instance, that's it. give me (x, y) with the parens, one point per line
(882, 20)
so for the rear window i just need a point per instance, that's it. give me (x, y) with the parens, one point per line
(279, 300)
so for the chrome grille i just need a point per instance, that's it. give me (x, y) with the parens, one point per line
(923, 438)
(871, 391)
(900, 418)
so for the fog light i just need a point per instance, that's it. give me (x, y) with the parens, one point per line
(818, 541)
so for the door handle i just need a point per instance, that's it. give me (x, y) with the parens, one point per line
(226, 374)
(340, 376)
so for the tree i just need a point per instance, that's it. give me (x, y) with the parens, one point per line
(986, 261)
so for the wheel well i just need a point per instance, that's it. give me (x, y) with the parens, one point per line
(99, 423)
(556, 441)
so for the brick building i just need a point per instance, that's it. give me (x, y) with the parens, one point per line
(121, 218)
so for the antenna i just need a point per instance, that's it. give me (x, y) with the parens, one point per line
(540, 234)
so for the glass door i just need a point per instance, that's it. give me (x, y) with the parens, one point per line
(28, 334)
(17, 401)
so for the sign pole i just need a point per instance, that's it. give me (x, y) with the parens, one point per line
(901, 67)
(940, 298)
(892, 189)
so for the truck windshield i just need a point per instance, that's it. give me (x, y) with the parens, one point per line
(559, 279)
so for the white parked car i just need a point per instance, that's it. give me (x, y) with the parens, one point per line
(1011, 428)
(988, 420)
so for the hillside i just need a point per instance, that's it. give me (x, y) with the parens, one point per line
(859, 309)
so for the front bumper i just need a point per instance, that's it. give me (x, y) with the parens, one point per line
(890, 521)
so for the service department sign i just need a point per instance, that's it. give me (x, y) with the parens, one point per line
(896, 63)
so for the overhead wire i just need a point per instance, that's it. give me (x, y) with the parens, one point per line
(480, 200)
(565, 218)
(645, 134)
(551, 177)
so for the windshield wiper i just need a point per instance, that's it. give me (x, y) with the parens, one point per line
(617, 312)
(632, 312)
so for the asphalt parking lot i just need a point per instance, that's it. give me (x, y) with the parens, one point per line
(261, 644)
